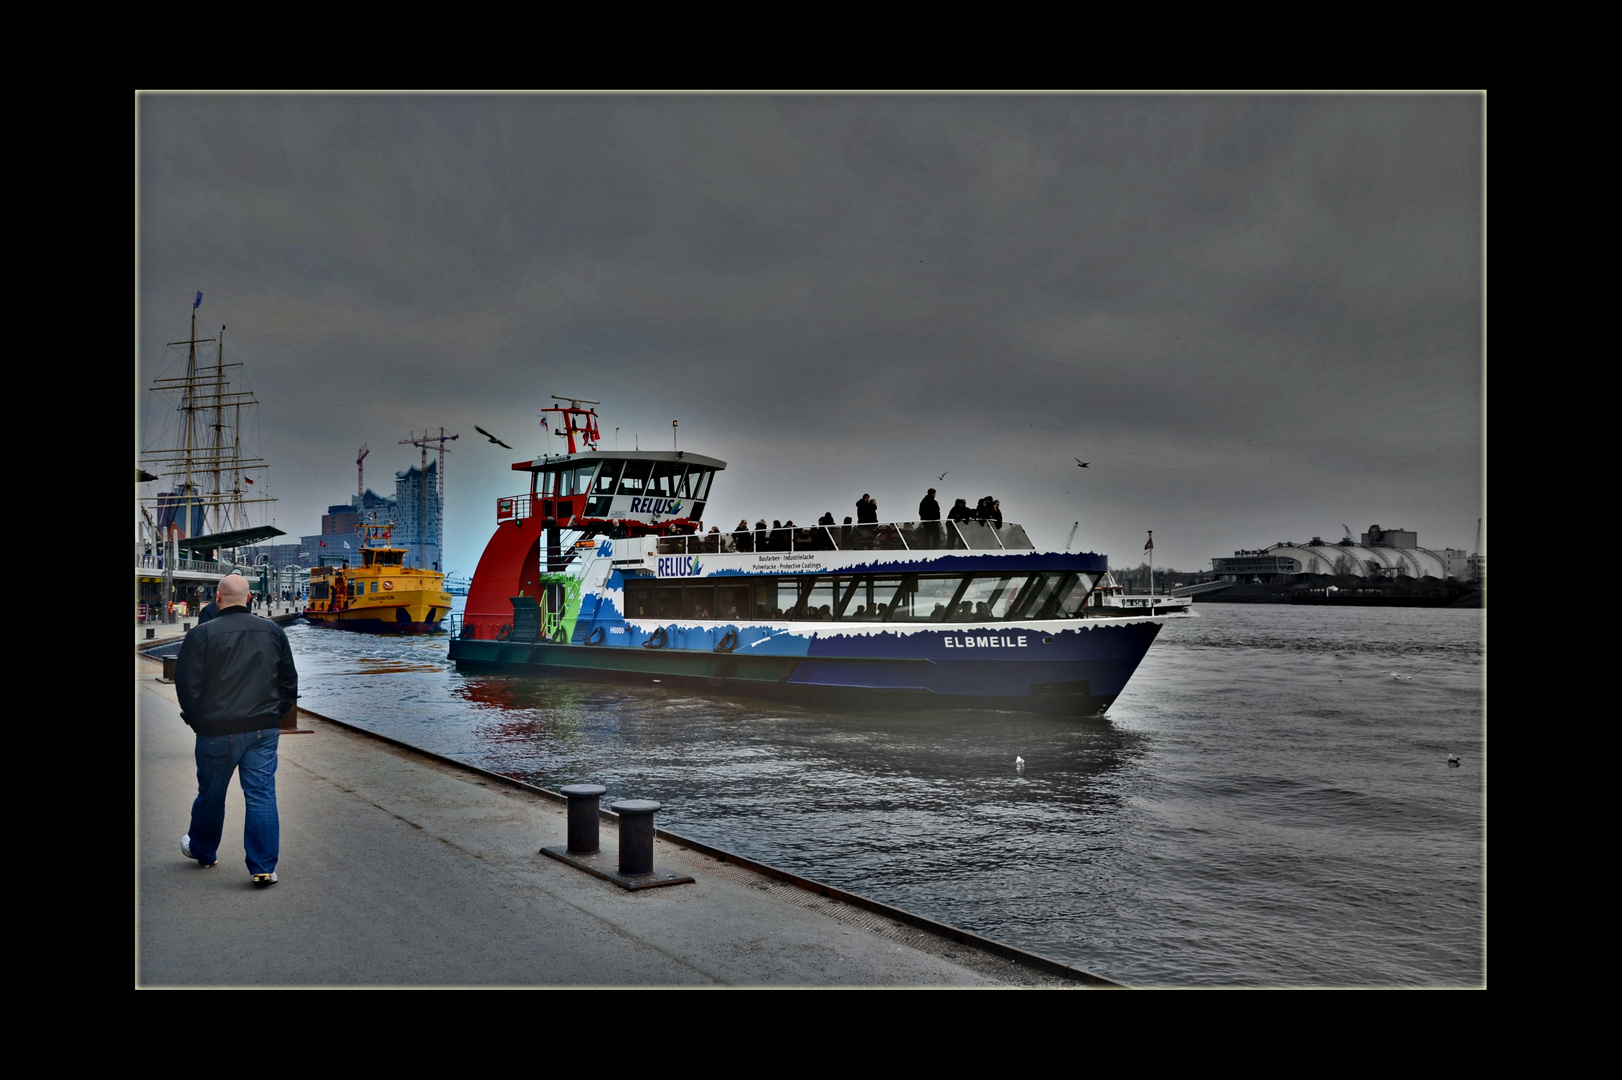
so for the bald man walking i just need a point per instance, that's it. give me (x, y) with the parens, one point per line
(235, 678)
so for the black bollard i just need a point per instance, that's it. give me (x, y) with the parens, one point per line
(636, 835)
(151, 633)
(169, 663)
(583, 817)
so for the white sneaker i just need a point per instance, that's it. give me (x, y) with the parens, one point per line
(264, 879)
(185, 849)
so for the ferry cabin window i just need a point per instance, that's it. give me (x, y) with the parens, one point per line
(666, 475)
(915, 598)
(634, 481)
(608, 478)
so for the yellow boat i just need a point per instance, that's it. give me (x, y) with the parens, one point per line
(380, 596)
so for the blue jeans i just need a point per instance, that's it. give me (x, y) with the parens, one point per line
(252, 755)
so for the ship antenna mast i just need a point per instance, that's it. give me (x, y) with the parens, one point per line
(576, 421)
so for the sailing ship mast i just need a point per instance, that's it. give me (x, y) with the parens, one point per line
(206, 453)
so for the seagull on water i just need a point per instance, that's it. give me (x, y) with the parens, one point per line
(1019, 762)
(1453, 761)
(1397, 675)
(489, 436)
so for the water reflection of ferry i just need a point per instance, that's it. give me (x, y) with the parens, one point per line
(598, 571)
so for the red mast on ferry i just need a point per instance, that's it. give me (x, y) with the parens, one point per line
(575, 421)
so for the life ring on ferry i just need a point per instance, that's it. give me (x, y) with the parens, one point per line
(505, 632)
(657, 640)
(596, 636)
(729, 642)
(388, 586)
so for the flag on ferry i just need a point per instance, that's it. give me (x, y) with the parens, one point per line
(197, 301)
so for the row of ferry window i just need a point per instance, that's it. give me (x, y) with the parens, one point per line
(865, 598)
(655, 479)
(322, 591)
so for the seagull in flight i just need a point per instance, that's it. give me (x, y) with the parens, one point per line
(489, 436)
(1082, 464)
(942, 476)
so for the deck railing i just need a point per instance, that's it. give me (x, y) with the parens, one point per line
(157, 561)
(885, 536)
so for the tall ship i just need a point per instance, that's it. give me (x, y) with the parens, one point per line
(382, 595)
(600, 569)
(188, 537)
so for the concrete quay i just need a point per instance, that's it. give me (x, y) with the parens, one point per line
(402, 869)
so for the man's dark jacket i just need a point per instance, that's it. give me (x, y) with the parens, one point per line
(929, 510)
(235, 674)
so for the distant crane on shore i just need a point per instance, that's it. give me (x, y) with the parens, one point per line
(1072, 535)
(360, 470)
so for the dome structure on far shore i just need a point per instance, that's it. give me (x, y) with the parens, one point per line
(1383, 553)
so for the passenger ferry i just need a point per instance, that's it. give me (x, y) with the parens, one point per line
(600, 570)
(380, 596)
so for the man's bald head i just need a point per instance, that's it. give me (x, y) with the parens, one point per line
(233, 592)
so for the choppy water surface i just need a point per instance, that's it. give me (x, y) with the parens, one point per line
(1263, 806)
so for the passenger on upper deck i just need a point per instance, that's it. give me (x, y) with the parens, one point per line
(960, 511)
(867, 510)
(929, 509)
(742, 539)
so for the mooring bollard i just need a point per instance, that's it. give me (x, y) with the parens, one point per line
(169, 663)
(151, 633)
(636, 835)
(583, 816)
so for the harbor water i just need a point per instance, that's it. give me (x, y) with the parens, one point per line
(1265, 805)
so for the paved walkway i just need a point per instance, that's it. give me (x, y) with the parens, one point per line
(400, 870)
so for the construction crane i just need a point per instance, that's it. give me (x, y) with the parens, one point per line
(422, 520)
(360, 471)
(1072, 535)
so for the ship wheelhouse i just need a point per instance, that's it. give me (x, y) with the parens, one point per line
(626, 492)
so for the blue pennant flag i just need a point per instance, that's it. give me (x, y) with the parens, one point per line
(197, 302)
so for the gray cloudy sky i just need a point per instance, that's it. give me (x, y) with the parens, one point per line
(1259, 317)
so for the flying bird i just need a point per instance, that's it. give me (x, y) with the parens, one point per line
(489, 436)
(942, 476)
(1082, 464)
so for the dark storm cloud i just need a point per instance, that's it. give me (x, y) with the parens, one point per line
(1257, 310)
